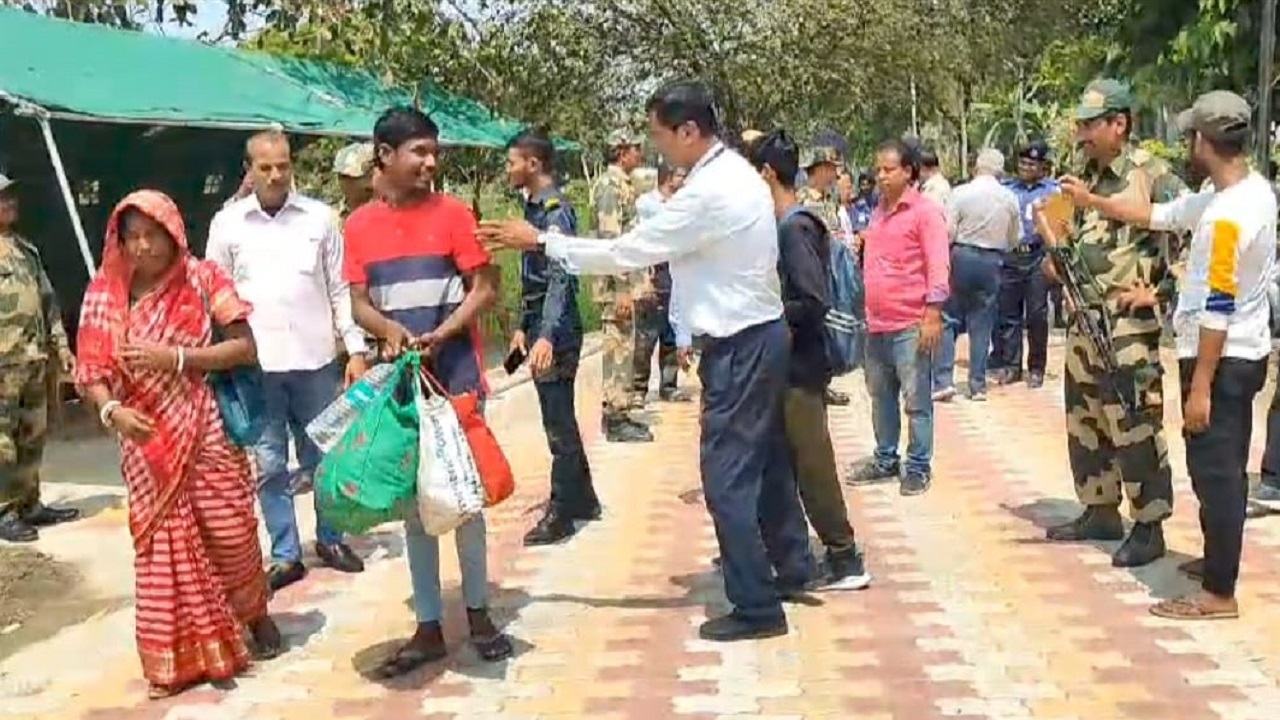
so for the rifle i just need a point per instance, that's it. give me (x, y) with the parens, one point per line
(1092, 322)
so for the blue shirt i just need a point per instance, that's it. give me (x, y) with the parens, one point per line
(860, 212)
(1027, 196)
(549, 294)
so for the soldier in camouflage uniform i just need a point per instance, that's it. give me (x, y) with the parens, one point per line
(354, 167)
(615, 213)
(821, 165)
(33, 350)
(1109, 450)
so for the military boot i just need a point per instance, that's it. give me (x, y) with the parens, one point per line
(625, 430)
(1144, 546)
(1098, 522)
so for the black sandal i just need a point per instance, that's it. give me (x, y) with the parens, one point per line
(493, 648)
(407, 659)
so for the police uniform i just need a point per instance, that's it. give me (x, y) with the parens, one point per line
(33, 348)
(615, 213)
(549, 311)
(1108, 450)
(1024, 291)
(822, 203)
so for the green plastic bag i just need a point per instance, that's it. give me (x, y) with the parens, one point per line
(370, 476)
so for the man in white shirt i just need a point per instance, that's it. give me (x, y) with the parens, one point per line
(285, 253)
(933, 184)
(1222, 327)
(719, 234)
(983, 221)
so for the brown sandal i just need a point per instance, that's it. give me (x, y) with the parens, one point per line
(1192, 608)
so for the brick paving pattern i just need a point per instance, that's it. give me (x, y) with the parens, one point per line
(971, 614)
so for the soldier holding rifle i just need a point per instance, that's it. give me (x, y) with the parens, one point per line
(1115, 405)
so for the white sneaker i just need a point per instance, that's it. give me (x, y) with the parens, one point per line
(944, 395)
(847, 583)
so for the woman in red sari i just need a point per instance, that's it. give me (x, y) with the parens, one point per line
(144, 346)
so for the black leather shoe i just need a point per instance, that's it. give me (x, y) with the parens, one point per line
(1144, 546)
(282, 575)
(44, 516)
(340, 557)
(16, 530)
(1096, 523)
(591, 513)
(551, 529)
(733, 627)
(1035, 380)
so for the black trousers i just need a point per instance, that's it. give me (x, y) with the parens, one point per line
(747, 478)
(1216, 461)
(571, 488)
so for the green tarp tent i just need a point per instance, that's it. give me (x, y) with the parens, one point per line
(88, 72)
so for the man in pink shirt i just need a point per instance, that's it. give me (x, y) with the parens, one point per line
(906, 266)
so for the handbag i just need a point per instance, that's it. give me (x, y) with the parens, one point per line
(450, 491)
(238, 391)
(495, 470)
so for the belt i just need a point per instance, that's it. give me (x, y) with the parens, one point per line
(1027, 249)
(967, 246)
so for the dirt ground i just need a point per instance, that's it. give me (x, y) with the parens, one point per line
(38, 597)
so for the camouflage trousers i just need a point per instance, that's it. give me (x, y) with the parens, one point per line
(24, 421)
(618, 361)
(1109, 450)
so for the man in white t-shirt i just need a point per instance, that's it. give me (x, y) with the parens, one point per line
(1222, 330)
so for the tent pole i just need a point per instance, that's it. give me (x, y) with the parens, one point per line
(68, 197)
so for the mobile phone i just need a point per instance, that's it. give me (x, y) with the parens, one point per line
(514, 360)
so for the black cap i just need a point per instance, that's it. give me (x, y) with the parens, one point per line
(1037, 150)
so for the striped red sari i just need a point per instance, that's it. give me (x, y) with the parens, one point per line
(191, 505)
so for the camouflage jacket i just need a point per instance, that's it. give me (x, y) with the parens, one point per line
(1113, 255)
(615, 214)
(820, 204)
(30, 321)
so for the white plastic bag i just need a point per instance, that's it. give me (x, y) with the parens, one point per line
(449, 487)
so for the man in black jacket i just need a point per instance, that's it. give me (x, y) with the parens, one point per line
(804, 266)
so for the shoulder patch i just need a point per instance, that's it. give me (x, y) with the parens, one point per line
(552, 203)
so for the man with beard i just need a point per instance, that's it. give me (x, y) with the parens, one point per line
(1118, 263)
(1221, 326)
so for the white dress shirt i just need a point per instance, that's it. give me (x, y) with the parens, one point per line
(983, 213)
(289, 267)
(1230, 266)
(720, 236)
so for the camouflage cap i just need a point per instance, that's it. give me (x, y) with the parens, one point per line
(1216, 115)
(819, 154)
(354, 160)
(624, 138)
(1102, 97)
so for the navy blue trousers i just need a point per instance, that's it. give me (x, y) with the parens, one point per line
(747, 477)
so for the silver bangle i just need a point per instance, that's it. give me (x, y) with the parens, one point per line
(108, 407)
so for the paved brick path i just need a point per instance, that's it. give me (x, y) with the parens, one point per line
(971, 615)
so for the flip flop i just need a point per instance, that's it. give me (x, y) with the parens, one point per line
(406, 660)
(1190, 609)
(494, 648)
